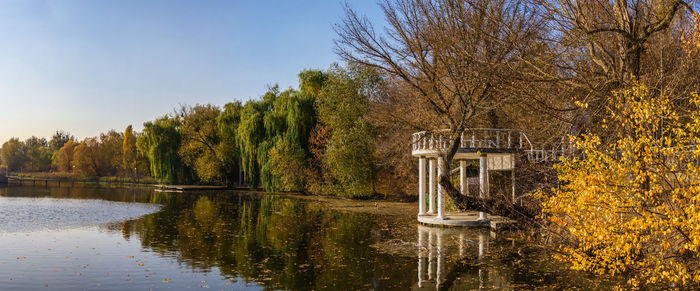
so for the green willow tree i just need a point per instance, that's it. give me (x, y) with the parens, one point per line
(288, 156)
(227, 150)
(251, 133)
(160, 141)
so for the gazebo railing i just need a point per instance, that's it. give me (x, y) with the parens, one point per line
(473, 138)
(544, 155)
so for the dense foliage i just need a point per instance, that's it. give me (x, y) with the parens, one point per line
(631, 204)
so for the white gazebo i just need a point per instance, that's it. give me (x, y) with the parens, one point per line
(494, 149)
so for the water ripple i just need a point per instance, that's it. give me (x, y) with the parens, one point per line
(35, 214)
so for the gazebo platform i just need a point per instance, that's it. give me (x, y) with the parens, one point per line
(465, 219)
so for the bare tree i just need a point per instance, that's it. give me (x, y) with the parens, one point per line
(605, 45)
(461, 58)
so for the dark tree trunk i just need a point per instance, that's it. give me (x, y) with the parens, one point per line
(499, 207)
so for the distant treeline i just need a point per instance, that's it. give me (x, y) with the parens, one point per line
(315, 138)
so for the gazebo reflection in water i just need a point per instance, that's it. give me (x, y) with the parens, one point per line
(457, 257)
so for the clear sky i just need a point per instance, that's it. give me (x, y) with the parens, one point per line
(88, 66)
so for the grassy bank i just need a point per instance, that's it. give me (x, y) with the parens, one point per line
(73, 177)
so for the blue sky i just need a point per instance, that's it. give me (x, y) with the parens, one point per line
(88, 66)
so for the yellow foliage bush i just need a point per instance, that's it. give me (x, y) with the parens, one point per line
(630, 201)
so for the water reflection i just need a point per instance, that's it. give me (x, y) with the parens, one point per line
(469, 267)
(231, 239)
(270, 240)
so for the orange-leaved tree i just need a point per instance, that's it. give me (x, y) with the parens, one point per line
(630, 201)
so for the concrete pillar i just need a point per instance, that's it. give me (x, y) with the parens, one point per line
(440, 261)
(483, 241)
(441, 191)
(431, 186)
(430, 254)
(483, 180)
(421, 257)
(421, 186)
(512, 176)
(463, 184)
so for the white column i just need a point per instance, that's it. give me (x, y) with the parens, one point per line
(463, 184)
(421, 186)
(512, 175)
(440, 260)
(431, 186)
(421, 257)
(441, 191)
(483, 180)
(430, 254)
(482, 244)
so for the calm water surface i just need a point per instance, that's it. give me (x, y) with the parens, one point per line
(100, 238)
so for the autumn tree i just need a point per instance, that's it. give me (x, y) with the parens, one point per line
(63, 159)
(12, 154)
(460, 58)
(200, 141)
(129, 151)
(87, 159)
(58, 139)
(629, 204)
(110, 151)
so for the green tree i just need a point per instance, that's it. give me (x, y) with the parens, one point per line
(273, 136)
(228, 150)
(160, 141)
(342, 107)
(251, 134)
(38, 154)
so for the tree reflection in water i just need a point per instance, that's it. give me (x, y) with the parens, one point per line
(272, 240)
(284, 242)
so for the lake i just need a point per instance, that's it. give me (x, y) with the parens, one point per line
(91, 237)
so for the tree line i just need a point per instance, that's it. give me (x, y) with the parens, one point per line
(316, 138)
